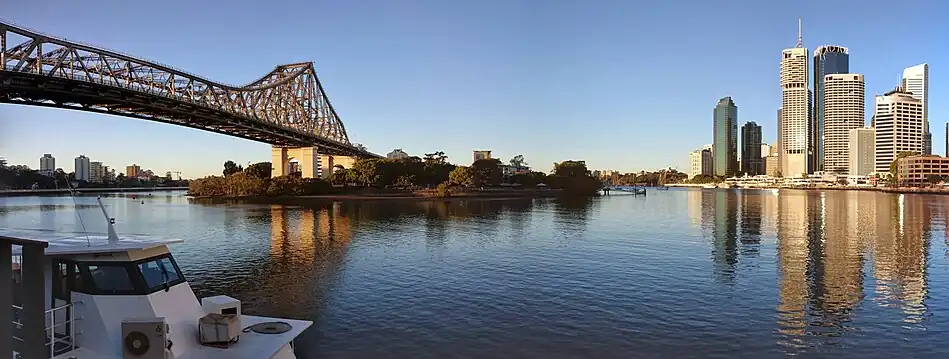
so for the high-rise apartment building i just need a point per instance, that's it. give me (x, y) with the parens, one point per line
(843, 111)
(751, 163)
(947, 139)
(861, 149)
(82, 168)
(796, 131)
(97, 172)
(916, 82)
(47, 164)
(899, 127)
(701, 162)
(828, 60)
(725, 143)
(134, 170)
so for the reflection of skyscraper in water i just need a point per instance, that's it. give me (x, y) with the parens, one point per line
(839, 282)
(724, 233)
(792, 253)
(901, 253)
(694, 204)
(751, 222)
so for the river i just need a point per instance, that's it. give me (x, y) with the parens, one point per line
(676, 274)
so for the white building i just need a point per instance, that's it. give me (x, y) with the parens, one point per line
(82, 170)
(899, 127)
(843, 111)
(796, 130)
(47, 164)
(861, 149)
(701, 162)
(916, 82)
(397, 154)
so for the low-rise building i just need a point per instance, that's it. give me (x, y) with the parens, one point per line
(397, 154)
(916, 171)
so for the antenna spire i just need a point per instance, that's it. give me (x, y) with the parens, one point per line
(800, 38)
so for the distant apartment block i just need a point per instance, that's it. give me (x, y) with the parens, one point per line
(701, 162)
(47, 164)
(913, 171)
(796, 126)
(481, 155)
(899, 127)
(133, 170)
(397, 154)
(97, 172)
(81, 169)
(861, 149)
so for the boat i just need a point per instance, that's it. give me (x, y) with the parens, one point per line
(104, 296)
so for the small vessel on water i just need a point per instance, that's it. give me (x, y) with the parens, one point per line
(83, 296)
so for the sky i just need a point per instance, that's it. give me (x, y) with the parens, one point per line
(622, 84)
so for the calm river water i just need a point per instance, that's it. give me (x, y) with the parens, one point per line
(675, 274)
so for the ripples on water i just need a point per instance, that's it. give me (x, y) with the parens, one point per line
(676, 274)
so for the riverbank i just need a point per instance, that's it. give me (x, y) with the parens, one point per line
(418, 195)
(905, 190)
(46, 192)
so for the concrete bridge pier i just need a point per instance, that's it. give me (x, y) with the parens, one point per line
(312, 164)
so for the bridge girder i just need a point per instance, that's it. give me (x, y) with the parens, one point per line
(286, 107)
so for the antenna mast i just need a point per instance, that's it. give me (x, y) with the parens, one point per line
(800, 37)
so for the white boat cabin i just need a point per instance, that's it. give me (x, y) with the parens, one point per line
(127, 298)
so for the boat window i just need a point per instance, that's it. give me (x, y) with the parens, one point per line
(109, 278)
(159, 272)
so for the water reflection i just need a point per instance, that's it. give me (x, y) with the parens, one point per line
(824, 244)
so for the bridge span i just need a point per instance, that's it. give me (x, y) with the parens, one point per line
(286, 108)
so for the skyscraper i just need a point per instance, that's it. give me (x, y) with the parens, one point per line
(751, 149)
(916, 82)
(47, 164)
(796, 129)
(899, 127)
(82, 170)
(861, 149)
(725, 144)
(828, 60)
(701, 160)
(843, 110)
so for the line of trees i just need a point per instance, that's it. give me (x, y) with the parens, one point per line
(654, 178)
(431, 171)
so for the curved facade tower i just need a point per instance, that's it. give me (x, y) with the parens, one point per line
(828, 60)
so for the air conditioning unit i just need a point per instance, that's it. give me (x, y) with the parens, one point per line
(221, 304)
(144, 338)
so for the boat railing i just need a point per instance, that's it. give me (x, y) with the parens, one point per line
(58, 341)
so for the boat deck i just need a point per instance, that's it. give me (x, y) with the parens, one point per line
(251, 345)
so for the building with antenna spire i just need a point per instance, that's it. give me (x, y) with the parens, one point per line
(796, 130)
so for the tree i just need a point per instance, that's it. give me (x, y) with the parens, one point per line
(369, 171)
(261, 170)
(702, 179)
(340, 177)
(933, 178)
(460, 176)
(571, 168)
(843, 181)
(405, 181)
(894, 166)
(231, 168)
(518, 161)
(436, 157)
(486, 172)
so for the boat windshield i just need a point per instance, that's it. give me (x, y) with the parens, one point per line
(140, 277)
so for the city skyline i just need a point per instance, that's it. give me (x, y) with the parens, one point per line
(526, 114)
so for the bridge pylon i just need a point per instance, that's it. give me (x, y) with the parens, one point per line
(312, 164)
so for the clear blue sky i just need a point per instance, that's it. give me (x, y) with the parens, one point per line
(622, 84)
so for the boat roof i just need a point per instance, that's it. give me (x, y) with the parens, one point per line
(71, 243)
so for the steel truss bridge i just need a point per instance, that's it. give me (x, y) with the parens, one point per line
(287, 107)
